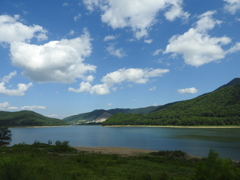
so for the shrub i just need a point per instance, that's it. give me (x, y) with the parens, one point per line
(215, 168)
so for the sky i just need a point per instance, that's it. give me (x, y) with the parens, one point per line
(60, 58)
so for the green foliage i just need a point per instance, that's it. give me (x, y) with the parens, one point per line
(27, 118)
(84, 117)
(220, 107)
(215, 168)
(5, 136)
(169, 153)
(27, 162)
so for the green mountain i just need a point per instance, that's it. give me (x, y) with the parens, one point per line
(220, 107)
(101, 115)
(27, 118)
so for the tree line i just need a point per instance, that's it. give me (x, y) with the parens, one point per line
(220, 107)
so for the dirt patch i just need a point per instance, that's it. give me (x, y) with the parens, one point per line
(115, 150)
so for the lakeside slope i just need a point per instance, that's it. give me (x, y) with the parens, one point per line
(218, 108)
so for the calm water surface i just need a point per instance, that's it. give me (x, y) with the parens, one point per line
(194, 141)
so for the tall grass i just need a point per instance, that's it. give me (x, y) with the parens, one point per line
(41, 161)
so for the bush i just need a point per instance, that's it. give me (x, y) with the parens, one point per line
(215, 168)
(5, 136)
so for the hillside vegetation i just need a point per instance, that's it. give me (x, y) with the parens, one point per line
(41, 161)
(221, 107)
(101, 115)
(27, 118)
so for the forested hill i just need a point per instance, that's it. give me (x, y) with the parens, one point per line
(27, 118)
(101, 115)
(220, 107)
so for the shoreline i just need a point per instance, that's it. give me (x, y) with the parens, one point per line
(123, 151)
(36, 126)
(175, 126)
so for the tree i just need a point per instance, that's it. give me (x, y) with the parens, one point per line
(215, 168)
(5, 136)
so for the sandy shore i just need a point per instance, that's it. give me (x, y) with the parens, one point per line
(175, 126)
(123, 151)
(36, 126)
(114, 150)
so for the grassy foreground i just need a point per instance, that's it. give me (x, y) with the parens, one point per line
(45, 161)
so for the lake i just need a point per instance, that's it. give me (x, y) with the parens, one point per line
(194, 141)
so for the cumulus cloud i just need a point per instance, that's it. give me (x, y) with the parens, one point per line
(232, 6)
(138, 76)
(32, 107)
(192, 90)
(116, 52)
(20, 91)
(196, 45)
(109, 104)
(56, 61)
(13, 92)
(234, 48)
(4, 105)
(139, 15)
(13, 30)
(8, 77)
(176, 11)
(110, 37)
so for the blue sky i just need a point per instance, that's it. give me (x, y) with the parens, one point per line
(60, 58)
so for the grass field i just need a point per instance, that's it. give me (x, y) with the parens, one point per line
(60, 162)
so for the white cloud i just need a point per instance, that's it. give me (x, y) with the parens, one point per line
(109, 104)
(149, 41)
(14, 92)
(84, 86)
(155, 104)
(116, 52)
(7, 106)
(192, 90)
(139, 15)
(99, 89)
(56, 61)
(12, 108)
(176, 11)
(53, 115)
(8, 77)
(196, 46)
(234, 49)
(138, 76)
(4, 105)
(232, 6)
(110, 37)
(157, 52)
(32, 107)
(12, 30)
(153, 88)
(77, 17)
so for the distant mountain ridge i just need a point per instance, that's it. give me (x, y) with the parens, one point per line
(27, 118)
(101, 115)
(220, 107)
